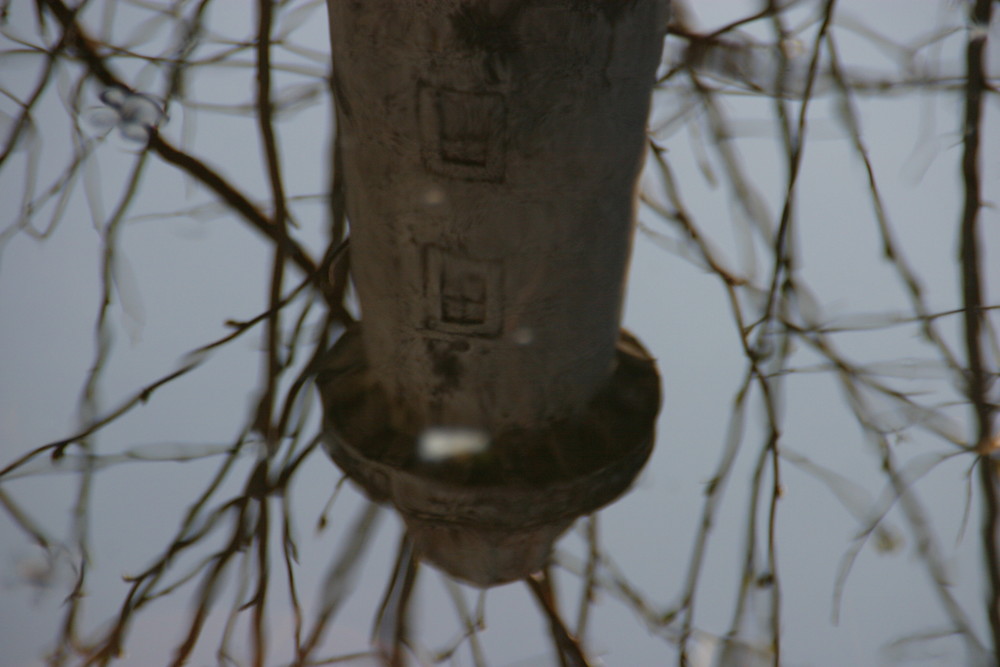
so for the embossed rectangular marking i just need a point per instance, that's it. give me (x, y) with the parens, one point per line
(462, 133)
(463, 294)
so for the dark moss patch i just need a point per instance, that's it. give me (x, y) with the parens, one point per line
(445, 361)
(611, 10)
(479, 29)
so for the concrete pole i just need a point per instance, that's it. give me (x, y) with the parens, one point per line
(490, 151)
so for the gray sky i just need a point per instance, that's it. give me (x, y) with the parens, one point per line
(181, 276)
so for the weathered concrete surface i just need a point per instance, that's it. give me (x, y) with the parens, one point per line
(492, 516)
(490, 152)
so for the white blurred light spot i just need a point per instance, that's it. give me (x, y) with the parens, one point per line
(434, 196)
(523, 336)
(445, 442)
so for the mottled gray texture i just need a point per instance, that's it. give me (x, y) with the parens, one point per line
(490, 152)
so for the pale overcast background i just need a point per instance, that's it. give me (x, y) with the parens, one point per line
(186, 266)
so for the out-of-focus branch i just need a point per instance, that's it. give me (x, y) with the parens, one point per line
(210, 179)
(977, 376)
(86, 50)
(569, 650)
(972, 290)
(265, 410)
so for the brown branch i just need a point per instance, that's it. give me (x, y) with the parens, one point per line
(570, 652)
(391, 631)
(265, 410)
(972, 290)
(210, 179)
(972, 298)
(81, 45)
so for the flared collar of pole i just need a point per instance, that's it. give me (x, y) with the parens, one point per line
(490, 513)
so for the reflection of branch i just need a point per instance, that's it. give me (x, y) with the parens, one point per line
(899, 488)
(84, 48)
(210, 179)
(589, 592)
(782, 278)
(23, 122)
(472, 625)
(23, 521)
(58, 448)
(570, 651)
(340, 578)
(597, 574)
(88, 403)
(972, 298)
(195, 359)
(924, 539)
(265, 409)
(890, 247)
(765, 366)
(391, 631)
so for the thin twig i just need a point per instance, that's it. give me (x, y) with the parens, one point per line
(972, 300)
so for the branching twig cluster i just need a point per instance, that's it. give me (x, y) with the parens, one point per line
(80, 55)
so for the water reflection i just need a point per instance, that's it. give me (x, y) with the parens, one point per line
(134, 114)
(489, 174)
(764, 518)
(490, 514)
